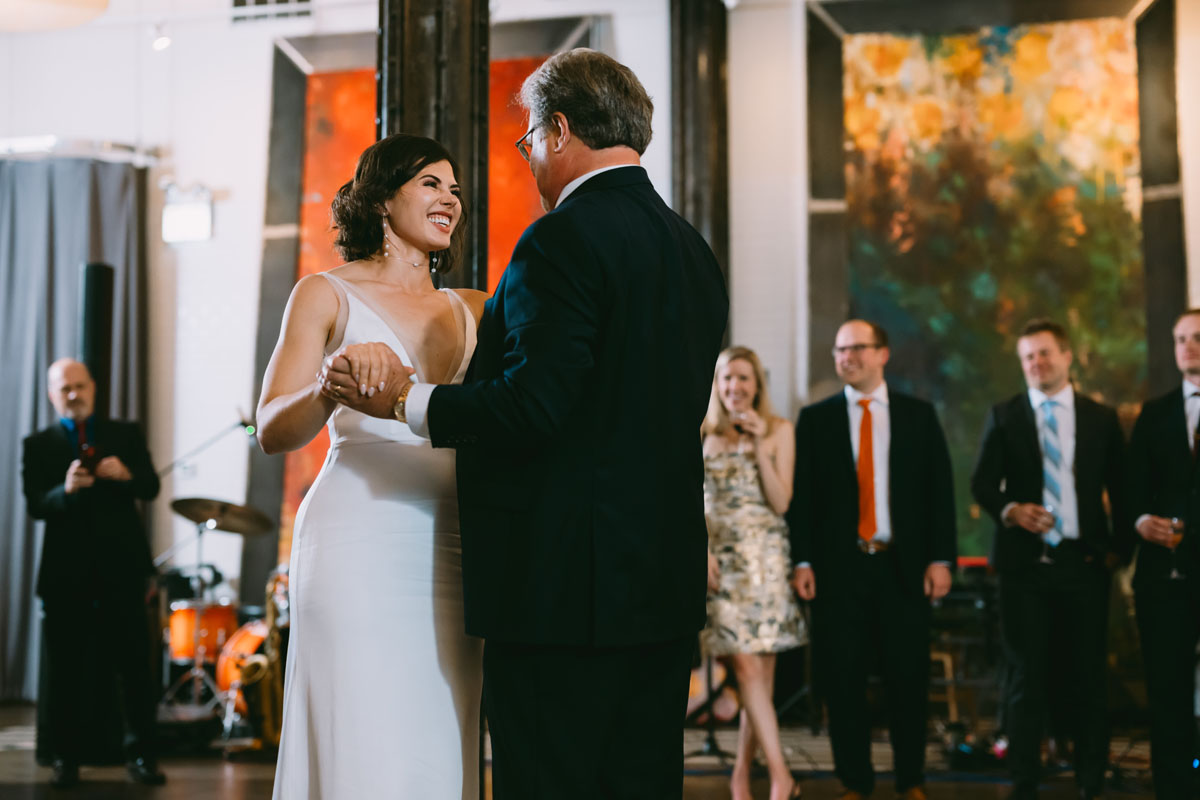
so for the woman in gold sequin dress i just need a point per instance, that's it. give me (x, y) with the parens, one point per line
(749, 456)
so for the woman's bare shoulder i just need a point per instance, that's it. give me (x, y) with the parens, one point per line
(313, 294)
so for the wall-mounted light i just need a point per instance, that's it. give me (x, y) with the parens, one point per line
(45, 15)
(159, 39)
(187, 213)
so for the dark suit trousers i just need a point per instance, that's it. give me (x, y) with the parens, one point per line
(1168, 616)
(116, 624)
(1050, 604)
(586, 723)
(867, 621)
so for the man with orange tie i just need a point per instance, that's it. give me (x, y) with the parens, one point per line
(873, 538)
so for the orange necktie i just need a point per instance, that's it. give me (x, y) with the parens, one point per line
(866, 474)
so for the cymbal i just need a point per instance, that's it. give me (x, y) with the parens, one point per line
(222, 516)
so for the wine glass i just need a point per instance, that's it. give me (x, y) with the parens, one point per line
(1176, 538)
(739, 417)
(1045, 557)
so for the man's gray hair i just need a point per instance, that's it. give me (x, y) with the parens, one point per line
(603, 101)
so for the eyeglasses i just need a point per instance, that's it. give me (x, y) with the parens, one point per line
(856, 349)
(522, 145)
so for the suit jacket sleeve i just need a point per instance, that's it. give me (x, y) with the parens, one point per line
(943, 539)
(1114, 483)
(798, 516)
(144, 484)
(989, 470)
(45, 489)
(550, 297)
(1137, 486)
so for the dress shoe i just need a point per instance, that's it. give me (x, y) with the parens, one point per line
(143, 772)
(65, 774)
(913, 793)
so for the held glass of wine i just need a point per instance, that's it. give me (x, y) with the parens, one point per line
(1045, 557)
(1176, 538)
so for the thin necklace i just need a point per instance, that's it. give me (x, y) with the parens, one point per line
(389, 238)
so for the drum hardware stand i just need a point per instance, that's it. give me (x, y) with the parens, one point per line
(197, 675)
(710, 747)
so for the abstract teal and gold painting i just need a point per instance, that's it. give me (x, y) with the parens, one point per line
(992, 177)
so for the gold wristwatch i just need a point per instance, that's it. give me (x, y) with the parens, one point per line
(398, 409)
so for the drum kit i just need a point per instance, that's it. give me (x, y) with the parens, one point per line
(227, 667)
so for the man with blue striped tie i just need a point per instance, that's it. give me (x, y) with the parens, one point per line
(1048, 456)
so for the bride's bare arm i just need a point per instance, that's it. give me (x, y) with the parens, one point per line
(292, 410)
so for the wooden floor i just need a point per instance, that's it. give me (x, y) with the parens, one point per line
(197, 777)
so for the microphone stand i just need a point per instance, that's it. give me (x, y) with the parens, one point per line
(242, 424)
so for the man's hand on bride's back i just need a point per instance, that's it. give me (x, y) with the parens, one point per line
(366, 377)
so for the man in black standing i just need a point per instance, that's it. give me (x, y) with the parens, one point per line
(1164, 499)
(580, 475)
(873, 538)
(83, 476)
(1047, 458)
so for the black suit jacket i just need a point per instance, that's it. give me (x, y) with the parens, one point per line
(94, 542)
(580, 476)
(1163, 480)
(1009, 470)
(823, 516)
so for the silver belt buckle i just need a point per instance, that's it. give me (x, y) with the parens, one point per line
(871, 547)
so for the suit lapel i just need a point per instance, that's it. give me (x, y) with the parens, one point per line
(842, 436)
(1179, 435)
(1029, 432)
(1084, 438)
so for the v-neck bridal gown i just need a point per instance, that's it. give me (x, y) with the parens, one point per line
(382, 688)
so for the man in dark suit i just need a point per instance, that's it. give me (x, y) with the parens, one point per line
(579, 466)
(1164, 500)
(873, 538)
(83, 476)
(1047, 458)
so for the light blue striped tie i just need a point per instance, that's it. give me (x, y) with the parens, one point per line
(1052, 464)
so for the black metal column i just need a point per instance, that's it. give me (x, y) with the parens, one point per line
(432, 80)
(700, 120)
(1164, 259)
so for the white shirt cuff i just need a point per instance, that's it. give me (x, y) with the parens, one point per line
(804, 564)
(1138, 521)
(1003, 512)
(416, 407)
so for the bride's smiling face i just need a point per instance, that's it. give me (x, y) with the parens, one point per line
(425, 211)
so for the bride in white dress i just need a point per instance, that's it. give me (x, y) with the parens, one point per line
(382, 684)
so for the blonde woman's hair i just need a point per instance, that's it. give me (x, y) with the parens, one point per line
(716, 420)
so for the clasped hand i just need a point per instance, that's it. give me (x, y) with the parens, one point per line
(366, 377)
(1157, 530)
(110, 468)
(1031, 517)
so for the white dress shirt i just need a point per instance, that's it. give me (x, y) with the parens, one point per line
(1064, 415)
(881, 443)
(1191, 408)
(1191, 413)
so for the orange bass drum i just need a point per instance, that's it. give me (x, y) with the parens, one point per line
(245, 642)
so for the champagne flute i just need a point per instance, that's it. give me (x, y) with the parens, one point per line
(1045, 557)
(738, 417)
(1176, 539)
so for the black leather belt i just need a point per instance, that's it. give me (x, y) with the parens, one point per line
(872, 547)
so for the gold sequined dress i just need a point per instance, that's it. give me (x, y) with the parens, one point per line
(754, 610)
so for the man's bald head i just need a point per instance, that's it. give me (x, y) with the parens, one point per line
(71, 388)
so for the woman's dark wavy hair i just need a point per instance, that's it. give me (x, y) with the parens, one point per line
(358, 207)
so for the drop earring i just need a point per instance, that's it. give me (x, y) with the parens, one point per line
(386, 251)
(433, 264)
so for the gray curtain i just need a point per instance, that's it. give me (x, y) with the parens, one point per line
(56, 214)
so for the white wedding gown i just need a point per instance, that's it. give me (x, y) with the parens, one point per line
(382, 688)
